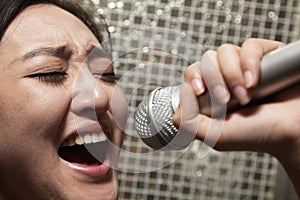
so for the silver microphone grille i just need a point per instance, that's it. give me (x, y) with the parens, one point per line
(154, 119)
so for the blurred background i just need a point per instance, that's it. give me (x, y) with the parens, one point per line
(152, 44)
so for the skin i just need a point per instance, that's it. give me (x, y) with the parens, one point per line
(272, 127)
(37, 114)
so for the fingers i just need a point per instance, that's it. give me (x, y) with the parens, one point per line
(209, 70)
(220, 72)
(230, 67)
(234, 70)
(193, 76)
(235, 132)
(220, 134)
(186, 115)
(212, 76)
(251, 54)
(230, 70)
(187, 118)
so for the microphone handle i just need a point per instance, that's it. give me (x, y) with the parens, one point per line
(280, 69)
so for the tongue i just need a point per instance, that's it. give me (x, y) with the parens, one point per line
(81, 154)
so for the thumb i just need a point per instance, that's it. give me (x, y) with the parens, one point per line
(189, 120)
(185, 117)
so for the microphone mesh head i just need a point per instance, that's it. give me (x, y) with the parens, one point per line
(154, 118)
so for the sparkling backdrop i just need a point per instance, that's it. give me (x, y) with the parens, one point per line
(153, 42)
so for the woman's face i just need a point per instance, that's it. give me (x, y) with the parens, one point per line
(57, 84)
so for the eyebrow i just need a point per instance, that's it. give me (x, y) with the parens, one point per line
(62, 52)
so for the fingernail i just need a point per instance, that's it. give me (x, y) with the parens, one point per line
(248, 78)
(221, 93)
(241, 94)
(197, 85)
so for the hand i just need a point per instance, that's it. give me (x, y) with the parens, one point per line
(272, 127)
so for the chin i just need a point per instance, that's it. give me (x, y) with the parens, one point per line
(94, 191)
(81, 188)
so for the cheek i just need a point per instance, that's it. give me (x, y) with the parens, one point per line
(34, 113)
(119, 107)
(30, 122)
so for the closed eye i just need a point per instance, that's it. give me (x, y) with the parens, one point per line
(110, 77)
(50, 77)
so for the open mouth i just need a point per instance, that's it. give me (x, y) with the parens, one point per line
(84, 150)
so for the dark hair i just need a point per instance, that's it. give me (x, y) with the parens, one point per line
(9, 9)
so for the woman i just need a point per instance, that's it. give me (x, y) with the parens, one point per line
(272, 127)
(58, 93)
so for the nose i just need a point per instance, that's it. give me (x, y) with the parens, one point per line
(90, 99)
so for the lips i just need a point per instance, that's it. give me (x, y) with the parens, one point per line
(86, 153)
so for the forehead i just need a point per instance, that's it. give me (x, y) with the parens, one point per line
(46, 25)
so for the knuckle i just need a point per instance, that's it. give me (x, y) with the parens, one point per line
(225, 47)
(208, 59)
(208, 53)
(250, 41)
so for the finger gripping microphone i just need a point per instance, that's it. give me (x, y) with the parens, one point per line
(154, 116)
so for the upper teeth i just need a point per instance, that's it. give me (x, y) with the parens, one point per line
(86, 139)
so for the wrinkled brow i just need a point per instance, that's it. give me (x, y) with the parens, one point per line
(62, 52)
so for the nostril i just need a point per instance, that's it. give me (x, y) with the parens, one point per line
(88, 103)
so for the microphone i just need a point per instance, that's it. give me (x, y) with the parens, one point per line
(280, 69)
